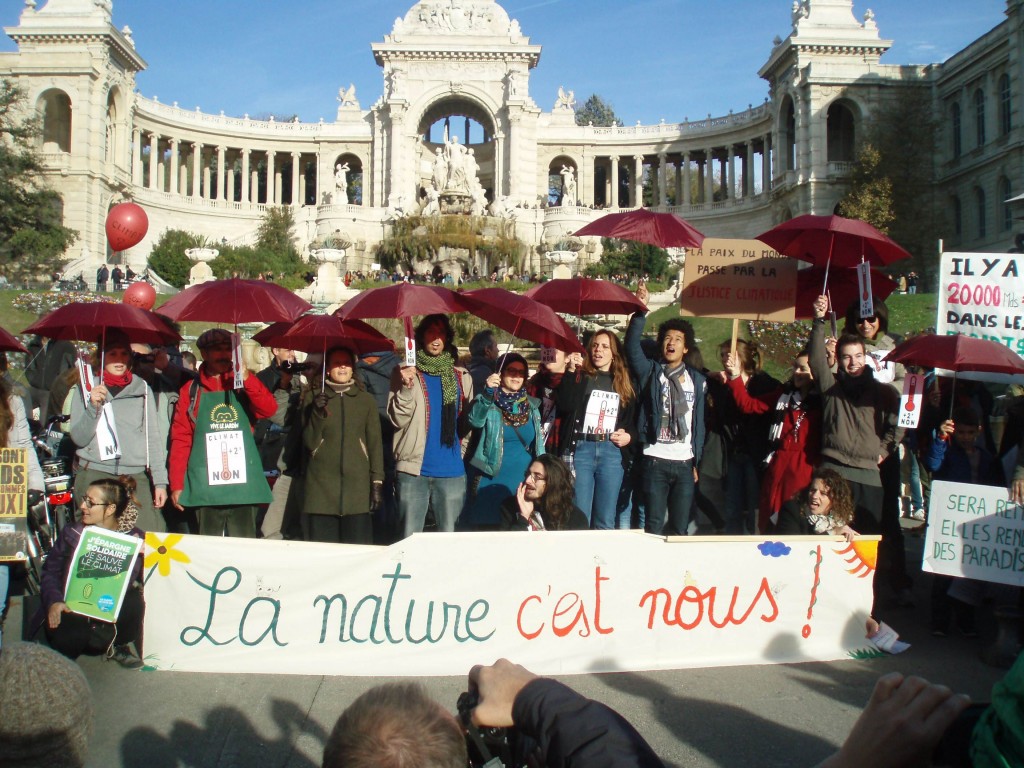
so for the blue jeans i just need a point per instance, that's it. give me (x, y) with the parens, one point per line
(416, 494)
(742, 487)
(598, 480)
(668, 488)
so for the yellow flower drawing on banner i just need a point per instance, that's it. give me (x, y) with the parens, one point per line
(161, 553)
(862, 555)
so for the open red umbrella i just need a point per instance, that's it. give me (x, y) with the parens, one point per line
(89, 321)
(235, 301)
(665, 230)
(315, 333)
(523, 317)
(10, 344)
(826, 240)
(586, 296)
(957, 353)
(842, 288)
(402, 300)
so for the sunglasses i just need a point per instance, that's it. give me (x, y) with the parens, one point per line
(870, 319)
(514, 372)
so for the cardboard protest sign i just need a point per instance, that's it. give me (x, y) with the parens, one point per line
(974, 531)
(100, 573)
(13, 504)
(980, 295)
(434, 604)
(911, 401)
(738, 279)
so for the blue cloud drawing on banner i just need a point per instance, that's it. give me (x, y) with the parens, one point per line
(774, 549)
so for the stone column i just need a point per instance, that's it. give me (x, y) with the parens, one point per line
(766, 164)
(222, 156)
(154, 157)
(197, 166)
(662, 178)
(499, 164)
(137, 157)
(207, 175)
(686, 178)
(730, 174)
(173, 173)
(709, 175)
(679, 181)
(183, 179)
(161, 175)
(614, 202)
(230, 172)
(638, 181)
(271, 177)
(748, 170)
(296, 161)
(244, 181)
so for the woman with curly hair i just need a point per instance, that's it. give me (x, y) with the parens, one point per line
(825, 507)
(598, 407)
(544, 500)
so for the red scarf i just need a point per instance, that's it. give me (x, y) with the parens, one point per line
(110, 380)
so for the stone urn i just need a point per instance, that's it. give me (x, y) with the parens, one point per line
(201, 272)
(561, 263)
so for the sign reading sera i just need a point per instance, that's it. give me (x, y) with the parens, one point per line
(974, 531)
(742, 279)
(566, 602)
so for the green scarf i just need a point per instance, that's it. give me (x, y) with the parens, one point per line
(443, 365)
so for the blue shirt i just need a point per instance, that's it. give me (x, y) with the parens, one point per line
(439, 460)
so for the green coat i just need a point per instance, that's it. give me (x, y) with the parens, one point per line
(343, 452)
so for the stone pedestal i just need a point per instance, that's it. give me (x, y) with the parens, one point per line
(329, 285)
(201, 271)
(562, 263)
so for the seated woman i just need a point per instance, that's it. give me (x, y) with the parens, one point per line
(107, 503)
(825, 507)
(544, 500)
(507, 436)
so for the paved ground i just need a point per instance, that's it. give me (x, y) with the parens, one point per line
(784, 715)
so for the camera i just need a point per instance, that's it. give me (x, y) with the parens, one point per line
(293, 367)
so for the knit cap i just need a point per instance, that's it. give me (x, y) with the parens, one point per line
(46, 708)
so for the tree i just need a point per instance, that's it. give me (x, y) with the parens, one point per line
(168, 257)
(597, 111)
(33, 238)
(274, 251)
(625, 257)
(870, 196)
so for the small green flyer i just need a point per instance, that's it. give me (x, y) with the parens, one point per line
(101, 573)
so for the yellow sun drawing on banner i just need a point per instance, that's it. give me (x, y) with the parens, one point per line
(862, 555)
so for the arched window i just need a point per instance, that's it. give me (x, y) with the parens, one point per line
(979, 116)
(56, 112)
(958, 145)
(840, 133)
(1005, 193)
(958, 217)
(979, 197)
(1004, 105)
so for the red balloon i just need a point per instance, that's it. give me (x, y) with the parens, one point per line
(126, 226)
(140, 294)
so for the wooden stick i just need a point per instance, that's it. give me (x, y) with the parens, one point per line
(735, 333)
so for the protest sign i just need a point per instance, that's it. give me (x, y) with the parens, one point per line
(738, 279)
(100, 573)
(13, 504)
(974, 531)
(911, 401)
(558, 602)
(980, 295)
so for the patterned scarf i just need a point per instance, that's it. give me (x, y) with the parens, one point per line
(443, 365)
(514, 406)
(678, 407)
(791, 399)
(128, 518)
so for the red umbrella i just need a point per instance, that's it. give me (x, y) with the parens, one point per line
(10, 344)
(315, 333)
(586, 296)
(842, 287)
(523, 317)
(665, 230)
(957, 353)
(235, 301)
(402, 300)
(89, 321)
(833, 240)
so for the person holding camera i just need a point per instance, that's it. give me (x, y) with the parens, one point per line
(344, 479)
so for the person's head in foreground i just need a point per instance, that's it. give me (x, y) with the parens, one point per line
(850, 355)
(548, 484)
(828, 495)
(396, 725)
(45, 709)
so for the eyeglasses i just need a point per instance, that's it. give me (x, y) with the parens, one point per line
(90, 503)
(537, 477)
(871, 319)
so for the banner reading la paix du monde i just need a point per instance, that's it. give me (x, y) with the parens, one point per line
(566, 602)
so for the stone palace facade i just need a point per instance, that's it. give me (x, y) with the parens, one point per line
(461, 68)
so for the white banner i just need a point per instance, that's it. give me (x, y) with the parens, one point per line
(566, 602)
(974, 531)
(980, 295)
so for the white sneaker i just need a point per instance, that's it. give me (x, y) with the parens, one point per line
(917, 514)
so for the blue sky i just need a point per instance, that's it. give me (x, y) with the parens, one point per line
(651, 59)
